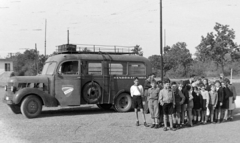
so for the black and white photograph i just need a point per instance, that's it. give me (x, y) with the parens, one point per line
(119, 71)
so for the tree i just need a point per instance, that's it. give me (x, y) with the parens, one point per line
(166, 49)
(174, 57)
(137, 50)
(156, 63)
(41, 61)
(218, 47)
(180, 56)
(28, 63)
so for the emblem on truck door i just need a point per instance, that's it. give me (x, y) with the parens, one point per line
(67, 90)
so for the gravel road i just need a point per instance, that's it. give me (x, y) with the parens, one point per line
(89, 124)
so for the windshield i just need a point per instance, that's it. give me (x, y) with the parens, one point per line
(49, 68)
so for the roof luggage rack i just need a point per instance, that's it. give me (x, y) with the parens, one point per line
(93, 49)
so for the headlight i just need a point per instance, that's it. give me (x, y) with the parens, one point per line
(5, 87)
(13, 89)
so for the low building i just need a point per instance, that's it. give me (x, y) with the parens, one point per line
(6, 65)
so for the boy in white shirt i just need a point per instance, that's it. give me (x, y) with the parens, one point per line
(136, 91)
(205, 96)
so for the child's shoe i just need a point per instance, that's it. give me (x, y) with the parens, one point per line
(137, 123)
(177, 126)
(164, 128)
(156, 126)
(160, 125)
(145, 124)
(182, 125)
(189, 125)
(224, 120)
(173, 129)
(152, 126)
(194, 122)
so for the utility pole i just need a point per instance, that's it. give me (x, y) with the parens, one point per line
(45, 41)
(161, 48)
(68, 36)
(164, 39)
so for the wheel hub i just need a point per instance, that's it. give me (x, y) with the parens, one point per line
(123, 102)
(32, 106)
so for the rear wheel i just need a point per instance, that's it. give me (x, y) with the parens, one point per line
(123, 103)
(15, 109)
(31, 106)
(105, 106)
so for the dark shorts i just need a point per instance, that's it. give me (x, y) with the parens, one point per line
(204, 104)
(168, 108)
(211, 109)
(137, 102)
(225, 104)
(177, 108)
(218, 107)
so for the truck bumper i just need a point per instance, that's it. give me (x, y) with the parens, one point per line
(7, 101)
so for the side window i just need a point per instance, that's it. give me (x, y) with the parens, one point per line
(136, 69)
(69, 68)
(118, 69)
(84, 67)
(95, 68)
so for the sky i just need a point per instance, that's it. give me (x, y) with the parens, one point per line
(111, 22)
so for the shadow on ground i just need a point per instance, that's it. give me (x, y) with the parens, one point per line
(74, 111)
(236, 116)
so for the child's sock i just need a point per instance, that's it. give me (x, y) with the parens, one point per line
(165, 120)
(171, 121)
(195, 119)
(199, 119)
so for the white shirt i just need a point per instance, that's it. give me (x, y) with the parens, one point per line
(136, 90)
(190, 95)
(205, 95)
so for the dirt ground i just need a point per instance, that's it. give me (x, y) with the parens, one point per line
(88, 124)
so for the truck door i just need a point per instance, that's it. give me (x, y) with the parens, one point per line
(105, 83)
(68, 83)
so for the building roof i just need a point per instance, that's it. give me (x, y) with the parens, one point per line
(6, 60)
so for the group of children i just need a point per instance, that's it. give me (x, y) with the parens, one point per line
(186, 103)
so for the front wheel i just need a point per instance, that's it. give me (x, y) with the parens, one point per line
(15, 109)
(31, 106)
(105, 106)
(123, 103)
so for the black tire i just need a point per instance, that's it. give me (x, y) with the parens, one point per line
(31, 106)
(15, 109)
(105, 106)
(123, 103)
(92, 92)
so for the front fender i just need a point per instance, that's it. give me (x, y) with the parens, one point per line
(47, 99)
